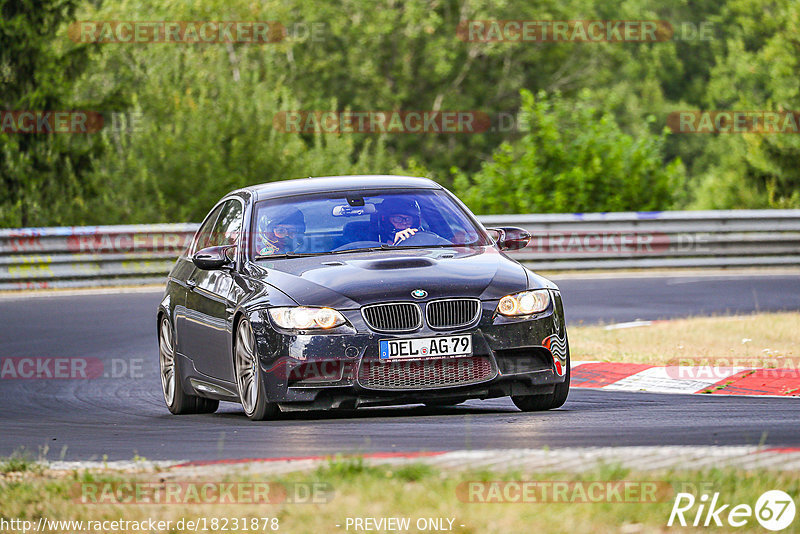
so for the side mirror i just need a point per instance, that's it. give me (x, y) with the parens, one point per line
(212, 258)
(510, 237)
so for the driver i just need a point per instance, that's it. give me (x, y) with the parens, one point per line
(278, 230)
(399, 219)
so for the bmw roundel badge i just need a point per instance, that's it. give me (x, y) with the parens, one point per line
(419, 293)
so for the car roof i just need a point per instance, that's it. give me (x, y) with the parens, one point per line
(323, 184)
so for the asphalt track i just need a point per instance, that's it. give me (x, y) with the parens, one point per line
(122, 416)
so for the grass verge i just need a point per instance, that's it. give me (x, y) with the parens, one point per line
(766, 339)
(351, 488)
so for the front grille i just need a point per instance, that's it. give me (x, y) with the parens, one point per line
(425, 374)
(394, 317)
(452, 313)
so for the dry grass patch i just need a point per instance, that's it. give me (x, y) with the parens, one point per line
(767, 339)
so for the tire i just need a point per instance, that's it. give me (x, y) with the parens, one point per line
(178, 401)
(249, 380)
(549, 401)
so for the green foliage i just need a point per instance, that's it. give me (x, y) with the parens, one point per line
(355, 467)
(205, 126)
(756, 69)
(413, 472)
(20, 461)
(204, 112)
(574, 157)
(42, 176)
(345, 467)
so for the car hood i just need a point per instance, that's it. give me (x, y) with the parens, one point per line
(355, 279)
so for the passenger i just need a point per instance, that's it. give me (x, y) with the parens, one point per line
(279, 230)
(398, 219)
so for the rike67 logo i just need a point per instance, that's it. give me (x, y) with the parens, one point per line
(774, 510)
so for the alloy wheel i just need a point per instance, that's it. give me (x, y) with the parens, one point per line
(166, 358)
(246, 368)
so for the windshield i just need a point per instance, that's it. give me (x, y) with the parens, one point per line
(347, 221)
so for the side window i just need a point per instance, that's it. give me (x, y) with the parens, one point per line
(202, 238)
(229, 224)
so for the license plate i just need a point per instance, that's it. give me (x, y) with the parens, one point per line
(426, 347)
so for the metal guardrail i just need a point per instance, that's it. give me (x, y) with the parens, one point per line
(88, 256)
(669, 239)
(32, 258)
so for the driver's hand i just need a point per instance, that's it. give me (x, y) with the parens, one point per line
(404, 234)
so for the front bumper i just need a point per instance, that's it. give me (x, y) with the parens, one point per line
(302, 371)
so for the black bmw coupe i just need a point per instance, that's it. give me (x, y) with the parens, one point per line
(348, 291)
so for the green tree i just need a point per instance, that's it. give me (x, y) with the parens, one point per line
(207, 110)
(43, 176)
(574, 158)
(756, 68)
(204, 124)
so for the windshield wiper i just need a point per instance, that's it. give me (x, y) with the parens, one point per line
(306, 254)
(362, 249)
(440, 245)
(285, 255)
(401, 247)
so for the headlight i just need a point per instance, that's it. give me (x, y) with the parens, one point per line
(303, 318)
(524, 303)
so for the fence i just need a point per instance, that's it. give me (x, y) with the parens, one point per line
(139, 254)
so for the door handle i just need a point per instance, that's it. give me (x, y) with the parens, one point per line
(191, 284)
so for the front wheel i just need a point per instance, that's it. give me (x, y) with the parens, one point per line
(178, 401)
(252, 392)
(549, 401)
